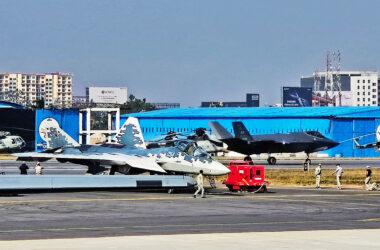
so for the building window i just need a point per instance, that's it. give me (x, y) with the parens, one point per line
(358, 99)
(363, 99)
(358, 81)
(374, 90)
(369, 87)
(369, 81)
(373, 84)
(369, 99)
(373, 96)
(369, 93)
(358, 93)
(363, 93)
(374, 102)
(363, 81)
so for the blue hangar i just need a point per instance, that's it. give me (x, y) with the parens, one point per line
(339, 123)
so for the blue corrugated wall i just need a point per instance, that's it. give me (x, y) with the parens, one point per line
(339, 129)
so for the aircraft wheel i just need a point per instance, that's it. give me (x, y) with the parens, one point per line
(247, 158)
(308, 161)
(272, 161)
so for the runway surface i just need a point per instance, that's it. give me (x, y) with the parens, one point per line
(120, 213)
(55, 167)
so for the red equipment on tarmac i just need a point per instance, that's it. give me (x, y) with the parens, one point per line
(246, 176)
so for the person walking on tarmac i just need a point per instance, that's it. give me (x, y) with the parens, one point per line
(338, 171)
(200, 185)
(368, 176)
(38, 168)
(318, 172)
(23, 168)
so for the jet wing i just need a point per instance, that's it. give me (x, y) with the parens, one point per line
(134, 161)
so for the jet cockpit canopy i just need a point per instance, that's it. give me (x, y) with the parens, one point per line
(315, 133)
(191, 148)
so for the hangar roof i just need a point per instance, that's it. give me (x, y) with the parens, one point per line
(248, 112)
(4, 104)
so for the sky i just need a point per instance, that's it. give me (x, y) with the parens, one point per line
(188, 51)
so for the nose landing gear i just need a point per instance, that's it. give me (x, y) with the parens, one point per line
(308, 161)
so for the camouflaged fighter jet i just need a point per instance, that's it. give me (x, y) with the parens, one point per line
(128, 155)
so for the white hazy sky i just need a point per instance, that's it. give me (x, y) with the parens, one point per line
(187, 51)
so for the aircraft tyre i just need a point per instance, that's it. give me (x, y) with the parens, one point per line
(271, 160)
(247, 158)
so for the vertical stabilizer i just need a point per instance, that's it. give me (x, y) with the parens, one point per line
(220, 132)
(241, 131)
(130, 134)
(54, 136)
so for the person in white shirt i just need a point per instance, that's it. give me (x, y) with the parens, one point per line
(38, 168)
(318, 172)
(200, 185)
(338, 171)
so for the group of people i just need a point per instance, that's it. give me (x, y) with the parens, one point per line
(24, 168)
(339, 172)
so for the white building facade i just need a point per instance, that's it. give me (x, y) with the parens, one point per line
(27, 88)
(357, 88)
(364, 89)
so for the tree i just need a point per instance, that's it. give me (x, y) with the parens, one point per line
(135, 105)
(39, 103)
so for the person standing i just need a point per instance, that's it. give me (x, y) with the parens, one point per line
(38, 168)
(368, 176)
(338, 171)
(200, 185)
(318, 172)
(23, 168)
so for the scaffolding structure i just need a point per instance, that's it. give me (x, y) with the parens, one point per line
(332, 82)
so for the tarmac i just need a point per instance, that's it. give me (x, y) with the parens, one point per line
(121, 213)
(284, 218)
(10, 166)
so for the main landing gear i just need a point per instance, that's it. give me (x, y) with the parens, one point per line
(271, 160)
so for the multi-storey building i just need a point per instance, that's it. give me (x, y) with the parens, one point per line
(27, 88)
(357, 88)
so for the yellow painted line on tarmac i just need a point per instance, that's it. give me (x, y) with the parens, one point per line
(181, 225)
(371, 219)
(328, 202)
(91, 199)
(217, 196)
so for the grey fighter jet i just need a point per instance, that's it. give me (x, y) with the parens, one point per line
(128, 156)
(245, 143)
(203, 139)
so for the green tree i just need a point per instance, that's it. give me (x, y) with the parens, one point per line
(135, 105)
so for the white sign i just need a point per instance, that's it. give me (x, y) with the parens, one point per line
(107, 95)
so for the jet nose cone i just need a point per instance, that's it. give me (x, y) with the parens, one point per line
(220, 169)
(333, 144)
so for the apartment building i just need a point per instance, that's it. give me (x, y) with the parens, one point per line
(27, 88)
(357, 88)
